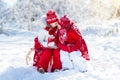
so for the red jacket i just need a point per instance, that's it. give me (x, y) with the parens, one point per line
(45, 57)
(70, 39)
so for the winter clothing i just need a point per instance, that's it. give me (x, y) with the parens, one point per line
(41, 70)
(51, 31)
(51, 17)
(73, 61)
(38, 47)
(46, 58)
(49, 60)
(64, 21)
(70, 38)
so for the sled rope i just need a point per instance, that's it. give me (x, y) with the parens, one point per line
(28, 59)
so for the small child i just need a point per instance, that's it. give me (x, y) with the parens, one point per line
(71, 41)
(47, 59)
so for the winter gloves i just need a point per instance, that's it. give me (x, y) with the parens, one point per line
(86, 57)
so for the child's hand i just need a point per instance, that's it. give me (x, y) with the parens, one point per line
(52, 45)
(86, 57)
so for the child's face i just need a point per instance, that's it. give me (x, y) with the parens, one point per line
(54, 24)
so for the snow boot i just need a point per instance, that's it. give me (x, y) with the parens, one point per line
(56, 70)
(65, 68)
(41, 70)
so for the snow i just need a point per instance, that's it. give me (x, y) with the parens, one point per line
(104, 53)
(97, 20)
(10, 3)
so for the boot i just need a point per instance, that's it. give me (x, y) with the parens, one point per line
(41, 70)
(56, 70)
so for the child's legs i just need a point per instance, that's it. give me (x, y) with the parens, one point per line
(65, 59)
(79, 62)
(56, 59)
(44, 59)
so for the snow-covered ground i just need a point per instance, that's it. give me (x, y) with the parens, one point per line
(103, 40)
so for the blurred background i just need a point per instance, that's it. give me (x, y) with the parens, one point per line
(98, 21)
(26, 14)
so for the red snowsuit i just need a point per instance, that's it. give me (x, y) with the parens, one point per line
(70, 39)
(46, 57)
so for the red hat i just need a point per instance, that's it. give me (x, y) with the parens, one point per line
(65, 21)
(51, 17)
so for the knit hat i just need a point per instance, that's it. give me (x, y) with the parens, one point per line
(51, 17)
(65, 21)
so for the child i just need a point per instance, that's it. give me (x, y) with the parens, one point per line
(47, 59)
(71, 40)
